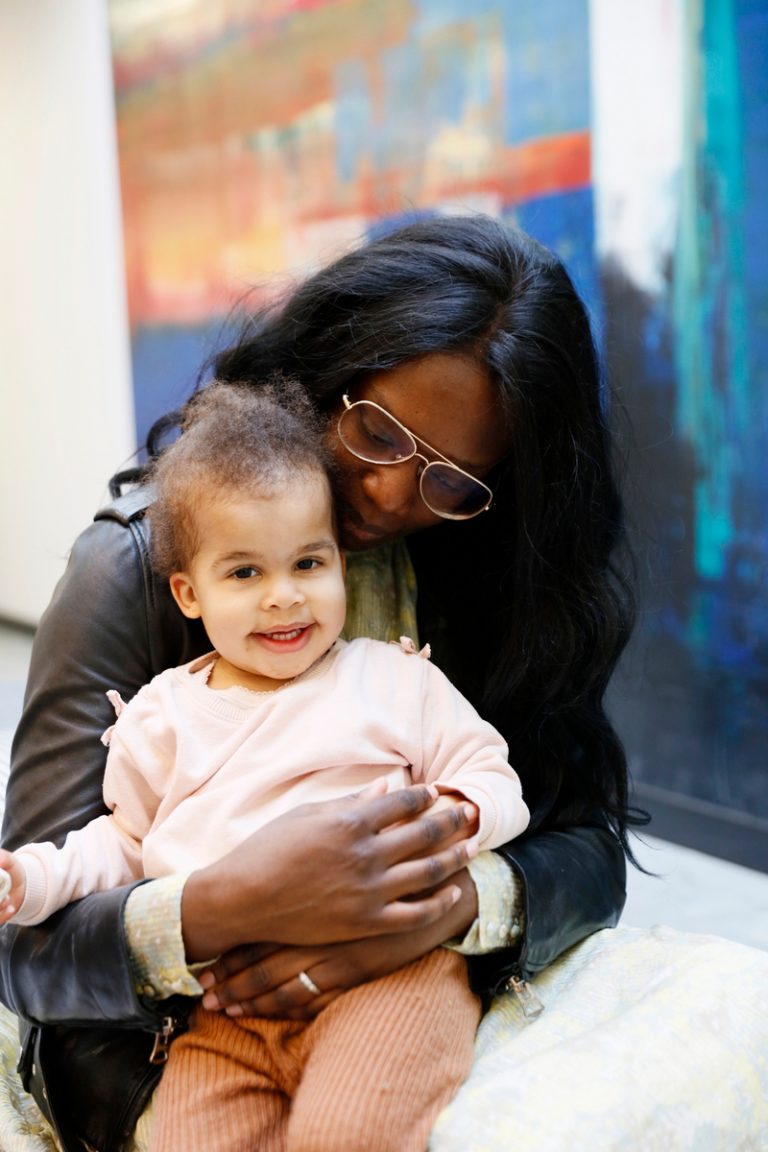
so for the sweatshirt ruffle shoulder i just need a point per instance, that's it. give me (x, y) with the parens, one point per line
(200, 669)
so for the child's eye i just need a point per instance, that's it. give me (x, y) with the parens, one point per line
(308, 563)
(244, 573)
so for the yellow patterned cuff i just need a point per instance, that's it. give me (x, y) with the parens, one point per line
(155, 943)
(500, 918)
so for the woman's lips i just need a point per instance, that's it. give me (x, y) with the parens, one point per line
(355, 527)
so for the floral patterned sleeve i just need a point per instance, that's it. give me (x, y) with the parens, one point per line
(500, 917)
(155, 942)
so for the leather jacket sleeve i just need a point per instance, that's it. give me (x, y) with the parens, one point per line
(574, 884)
(106, 627)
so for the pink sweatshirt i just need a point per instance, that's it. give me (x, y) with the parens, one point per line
(192, 772)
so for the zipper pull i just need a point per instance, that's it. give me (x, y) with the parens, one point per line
(159, 1053)
(529, 1001)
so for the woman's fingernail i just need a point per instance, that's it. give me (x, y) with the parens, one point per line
(211, 1002)
(469, 811)
(472, 848)
(234, 1010)
(206, 979)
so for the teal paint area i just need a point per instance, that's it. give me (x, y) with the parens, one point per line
(717, 397)
(692, 696)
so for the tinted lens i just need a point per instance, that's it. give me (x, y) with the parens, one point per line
(370, 433)
(450, 492)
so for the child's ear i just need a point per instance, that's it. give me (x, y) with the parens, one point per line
(184, 595)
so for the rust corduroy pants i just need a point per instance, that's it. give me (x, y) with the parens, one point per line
(369, 1074)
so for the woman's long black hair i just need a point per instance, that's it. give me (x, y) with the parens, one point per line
(529, 606)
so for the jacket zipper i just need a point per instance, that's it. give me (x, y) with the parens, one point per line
(529, 1002)
(161, 1046)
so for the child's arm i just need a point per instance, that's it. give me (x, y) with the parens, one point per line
(106, 852)
(463, 754)
(44, 878)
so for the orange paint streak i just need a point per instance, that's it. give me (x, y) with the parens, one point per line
(554, 164)
(190, 255)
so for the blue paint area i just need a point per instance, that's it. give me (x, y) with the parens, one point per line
(546, 75)
(166, 362)
(405, 125)
(724, 361)
(422, 89)
(435, 78)
(382, 227)
(698, 722)
(565, 222)
(753, 86)
(435, 15)
(354, 119)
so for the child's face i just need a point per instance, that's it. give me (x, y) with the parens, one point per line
(268, 580)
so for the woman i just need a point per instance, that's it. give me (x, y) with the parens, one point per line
(492, 488)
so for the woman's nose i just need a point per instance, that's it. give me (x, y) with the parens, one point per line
(393, 488)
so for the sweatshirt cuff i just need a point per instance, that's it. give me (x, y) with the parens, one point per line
(155, 942)
(35, 891)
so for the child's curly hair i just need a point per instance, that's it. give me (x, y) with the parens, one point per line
(235, 439)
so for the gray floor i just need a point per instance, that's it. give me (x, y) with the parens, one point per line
(690, 890)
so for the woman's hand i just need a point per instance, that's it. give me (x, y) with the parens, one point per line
(263, 979)
(339, 870)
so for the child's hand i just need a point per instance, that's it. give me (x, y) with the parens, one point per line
(447, 800)
(13, 885)
(466, 829)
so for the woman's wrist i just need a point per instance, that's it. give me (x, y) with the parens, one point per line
(206, 923)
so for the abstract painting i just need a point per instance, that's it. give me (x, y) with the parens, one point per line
(260, 138)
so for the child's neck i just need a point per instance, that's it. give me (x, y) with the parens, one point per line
(226, 675)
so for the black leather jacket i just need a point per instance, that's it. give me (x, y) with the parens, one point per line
(87, 1035)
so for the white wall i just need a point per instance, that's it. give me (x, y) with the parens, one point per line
(637, 133)
(66, 420)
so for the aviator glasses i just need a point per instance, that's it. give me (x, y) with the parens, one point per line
(369, 432)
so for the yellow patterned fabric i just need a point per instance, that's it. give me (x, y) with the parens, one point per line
(650, 1039)
(381, 594)
(499, 921)
(153, 926)
(22, 1128)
